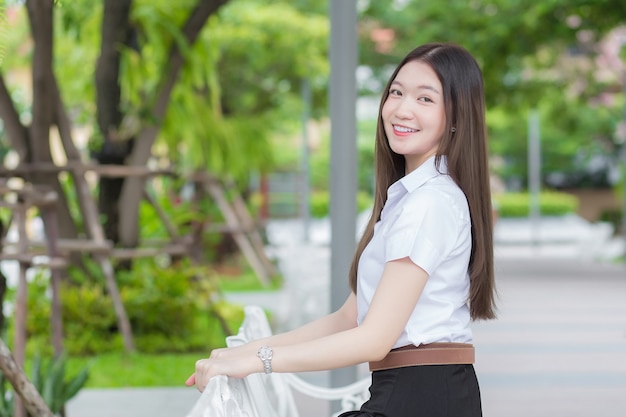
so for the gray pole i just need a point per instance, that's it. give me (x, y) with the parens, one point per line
(534, 174)
(623, 155)
(305, 210)
(343, 157)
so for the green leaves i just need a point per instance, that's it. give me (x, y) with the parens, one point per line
(502, 34)
(534, 55)
(240, 83)
(49, 378)
(572, 133)
(551, 204)
(6, 398)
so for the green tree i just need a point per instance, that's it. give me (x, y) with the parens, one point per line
(261, 54)
(32, 141)
(534, 55)
(502, 34)
(174, 79)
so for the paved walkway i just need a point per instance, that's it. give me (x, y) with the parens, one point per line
(558, 348)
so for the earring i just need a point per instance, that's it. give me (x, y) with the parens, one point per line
(453, 130)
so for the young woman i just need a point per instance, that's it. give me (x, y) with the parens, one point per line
(424, 266)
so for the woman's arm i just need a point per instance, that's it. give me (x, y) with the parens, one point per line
(342, 319)
(396, 296)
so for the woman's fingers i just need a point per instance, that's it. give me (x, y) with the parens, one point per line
(204, 372)
(222, 362)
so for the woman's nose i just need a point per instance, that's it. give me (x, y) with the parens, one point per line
(404, 109)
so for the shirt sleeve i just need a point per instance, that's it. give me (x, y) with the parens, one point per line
(425, 229)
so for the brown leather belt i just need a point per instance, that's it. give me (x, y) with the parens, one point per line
(440, 353)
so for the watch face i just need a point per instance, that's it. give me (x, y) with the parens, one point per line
(265, 352)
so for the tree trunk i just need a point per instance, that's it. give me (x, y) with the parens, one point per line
(3, 279)
(132, 190)
(22, 386)
(40, 17)
(32, 145)
(38, 137)
(88, 210)
(116, 32)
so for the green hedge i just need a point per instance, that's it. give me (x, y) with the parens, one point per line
(171, 308)
(319, 202)
(551, 203)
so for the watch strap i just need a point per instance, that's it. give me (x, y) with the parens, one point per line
(265, 353)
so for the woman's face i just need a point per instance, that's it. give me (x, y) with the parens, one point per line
(414, 115)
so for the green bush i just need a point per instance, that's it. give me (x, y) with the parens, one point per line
(551, 203)
(89, 321)
(159, 300)
(171, 308)
(167, 304)
(320, 203)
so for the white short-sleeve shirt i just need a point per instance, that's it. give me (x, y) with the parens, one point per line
(425, 218)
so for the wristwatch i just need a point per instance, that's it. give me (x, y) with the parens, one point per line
(265, 353)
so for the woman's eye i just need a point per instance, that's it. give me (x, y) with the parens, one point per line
(425, 99)
(394, 92)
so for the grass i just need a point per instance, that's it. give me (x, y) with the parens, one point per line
(236, 275)
(116, 370)
(119, 369)
(247, 282)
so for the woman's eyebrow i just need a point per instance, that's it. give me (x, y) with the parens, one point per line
(419, 87)
(428, 87)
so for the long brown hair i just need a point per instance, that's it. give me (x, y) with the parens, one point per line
(466, 153)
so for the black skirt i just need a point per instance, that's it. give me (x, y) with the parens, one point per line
(423, 391)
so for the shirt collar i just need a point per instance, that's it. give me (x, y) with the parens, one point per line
(418, 177)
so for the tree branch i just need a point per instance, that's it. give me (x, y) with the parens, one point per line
(132, 190)
(63, 123)
(23, 387)
(191, 30)
(16, 131)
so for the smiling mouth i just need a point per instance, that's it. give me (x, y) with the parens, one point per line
(403, 129)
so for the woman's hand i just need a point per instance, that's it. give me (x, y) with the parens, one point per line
(236, 363)
(240, 361)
